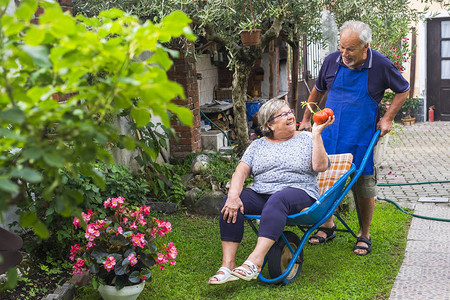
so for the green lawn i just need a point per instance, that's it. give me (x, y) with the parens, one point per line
(330, 271)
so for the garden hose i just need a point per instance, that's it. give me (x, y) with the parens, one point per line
(226, 135)
(406, 212)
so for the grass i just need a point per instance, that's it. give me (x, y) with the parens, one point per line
(330, 271)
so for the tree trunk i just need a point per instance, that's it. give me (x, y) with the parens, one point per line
(240, 82)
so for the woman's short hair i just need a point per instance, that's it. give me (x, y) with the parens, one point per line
(364, 31)
(266, 112)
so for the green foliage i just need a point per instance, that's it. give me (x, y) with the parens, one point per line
(56, 59)
(220, 168)
(410, 106)
(166, 185)
(118, 179)
(219, 171)
(386, 102)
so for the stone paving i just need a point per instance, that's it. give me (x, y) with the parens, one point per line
(421, 153)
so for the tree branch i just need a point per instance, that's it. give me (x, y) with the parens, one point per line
(273, 32)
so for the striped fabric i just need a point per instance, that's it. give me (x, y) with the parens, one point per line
(340, 163)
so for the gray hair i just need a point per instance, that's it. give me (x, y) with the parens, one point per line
(364, 31)
(266, 112)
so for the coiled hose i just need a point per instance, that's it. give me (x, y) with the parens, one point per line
(406, 212)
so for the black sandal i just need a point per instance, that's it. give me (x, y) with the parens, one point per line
(331, 234)
(368, 248)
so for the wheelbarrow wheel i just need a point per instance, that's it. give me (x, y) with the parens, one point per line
(279, 257)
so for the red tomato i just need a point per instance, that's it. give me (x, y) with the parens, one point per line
(320, 117)
(329, 111)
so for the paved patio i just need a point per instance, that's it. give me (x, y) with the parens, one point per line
(421, 153)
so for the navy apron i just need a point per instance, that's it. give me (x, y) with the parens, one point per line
(356, 114)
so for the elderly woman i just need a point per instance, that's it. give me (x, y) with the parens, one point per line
(284, 163)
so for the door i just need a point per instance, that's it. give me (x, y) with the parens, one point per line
(438, 67)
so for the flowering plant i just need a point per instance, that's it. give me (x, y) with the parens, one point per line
(121, 248)
(385, 103)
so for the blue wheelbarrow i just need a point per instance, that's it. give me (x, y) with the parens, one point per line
(285, 258)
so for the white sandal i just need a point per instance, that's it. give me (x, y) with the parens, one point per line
(248, 274)
(223, 278)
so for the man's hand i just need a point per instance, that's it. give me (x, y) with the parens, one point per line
(385, 125)
(305, 125)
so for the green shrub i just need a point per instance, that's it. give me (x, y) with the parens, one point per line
(119, 181)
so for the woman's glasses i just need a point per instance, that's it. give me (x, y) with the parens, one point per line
(282, 115)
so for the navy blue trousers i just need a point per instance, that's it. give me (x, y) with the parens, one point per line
(273, 209)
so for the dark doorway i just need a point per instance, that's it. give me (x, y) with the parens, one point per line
(438, 67)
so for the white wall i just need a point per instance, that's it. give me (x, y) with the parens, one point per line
(209, 79)
(421, 57)
(11, 8)
(284, 79)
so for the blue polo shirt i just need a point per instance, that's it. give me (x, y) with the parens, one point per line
(382, 74)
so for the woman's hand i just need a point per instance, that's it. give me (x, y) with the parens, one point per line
(320, 158)
(318, 128)
(231, 207)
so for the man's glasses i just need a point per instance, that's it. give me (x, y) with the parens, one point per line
(282, 115)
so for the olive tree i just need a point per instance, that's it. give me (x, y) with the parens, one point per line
(94, 67)
(221, 20)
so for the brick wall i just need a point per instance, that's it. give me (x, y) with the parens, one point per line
(184, 72)
(66, 5)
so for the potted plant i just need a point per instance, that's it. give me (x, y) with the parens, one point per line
(410, 105)
(121, 248)
(250, 35)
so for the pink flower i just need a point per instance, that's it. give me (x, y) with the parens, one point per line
(132, 259)
(76, 222)
(100, 223)
(89, 245)
(138, 240)
(162, 260)
(109, 263)
(107, 203)
(146, 210)
(171, 251)
(92, 232)
(133, 225)
(154, 231)
(73, 251)
(78, 266)
(141, 220)
(165, 227)
(87, 217)
(119, 230)
(113, 202)
(125, 221)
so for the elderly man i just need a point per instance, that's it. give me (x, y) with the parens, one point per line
(356, 78)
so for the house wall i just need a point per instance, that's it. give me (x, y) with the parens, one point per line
(420, 89)
(208, 79)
